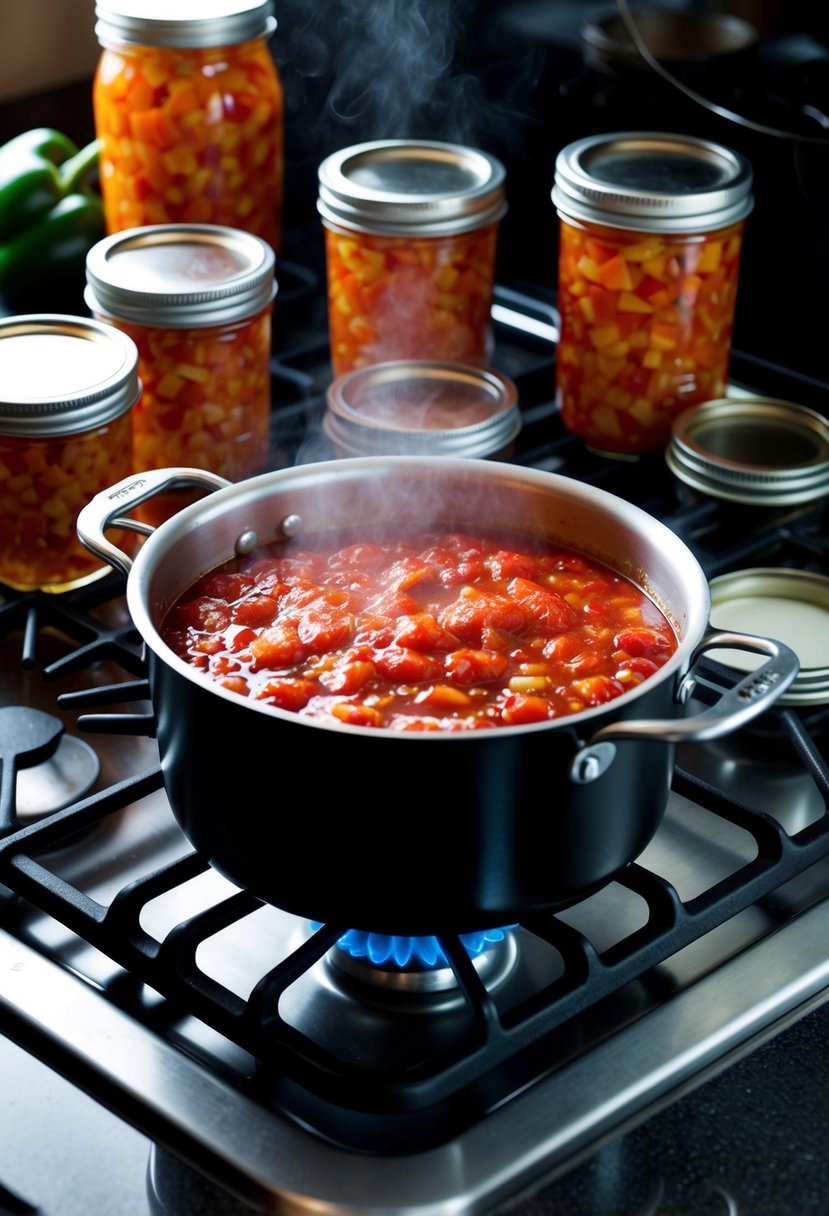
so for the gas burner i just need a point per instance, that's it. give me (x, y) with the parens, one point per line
(419, 964)
(43, 770)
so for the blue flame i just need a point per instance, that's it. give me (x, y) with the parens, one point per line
(382, 949)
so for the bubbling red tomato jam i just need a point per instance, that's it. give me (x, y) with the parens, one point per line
(443, 632)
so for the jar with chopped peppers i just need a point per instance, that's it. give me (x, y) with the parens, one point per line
(197, 302)
(189, 108)
(410, 235)
(67, 386)
(650, 235)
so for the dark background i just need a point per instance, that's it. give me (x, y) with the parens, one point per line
(522, 79)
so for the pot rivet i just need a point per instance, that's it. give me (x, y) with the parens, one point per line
(290, 526)
(246, 542)
(590, 764)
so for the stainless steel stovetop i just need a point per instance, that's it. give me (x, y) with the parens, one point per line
(129, 966)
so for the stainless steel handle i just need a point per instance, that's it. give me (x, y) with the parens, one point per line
(753, 694)
(105, 509)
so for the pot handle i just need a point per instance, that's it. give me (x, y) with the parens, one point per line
(104, 510)
(747, 699)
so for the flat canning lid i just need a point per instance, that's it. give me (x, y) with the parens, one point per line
(652, 182)
(180, 275)
(60, 375)
(180, 25)
(758, 451)
(400, 187)
(417, 407)
(791, 606)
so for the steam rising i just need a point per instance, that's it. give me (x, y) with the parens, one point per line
(361, 70)
(394, 69)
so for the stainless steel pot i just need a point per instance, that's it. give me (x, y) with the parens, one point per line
(411, 833)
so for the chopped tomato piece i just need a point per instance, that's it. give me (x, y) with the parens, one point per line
(356, 715)
(277, 646)
(395, 604)
(287, 693)
(475, 666)
(443, 696)
(506, 564)
(595, 690)
(322, 628)
(465, 570)
(227, 586)
(641, 641)
(548, 610)
(470, 615)
(521, 708)
(422, 632)
(255, 610)
(237, 684)
(349, 678)
(641, 666)
(407, 666)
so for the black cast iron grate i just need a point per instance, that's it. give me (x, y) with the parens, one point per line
(502, 1050)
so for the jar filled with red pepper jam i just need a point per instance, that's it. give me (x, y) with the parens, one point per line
(410, 236)
(650, 235)
(188, 105)
(67, 386)
(197, 302)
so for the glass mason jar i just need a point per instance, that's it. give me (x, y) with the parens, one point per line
(410, 236)
(67, 386)
(650, 235)
(197, 302)
(189, 109)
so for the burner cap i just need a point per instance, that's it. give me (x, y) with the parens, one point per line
(62, 779)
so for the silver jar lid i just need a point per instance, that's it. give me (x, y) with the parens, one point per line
(411, 188)
(652, 182)
(180, 275)
(759, 451)
(60, 375)
(791, 606)
(175, 24)
(416, 407)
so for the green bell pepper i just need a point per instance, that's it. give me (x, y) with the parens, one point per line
(50, 212)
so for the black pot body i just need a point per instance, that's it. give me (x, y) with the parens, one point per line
(411, 833)
(377, 831)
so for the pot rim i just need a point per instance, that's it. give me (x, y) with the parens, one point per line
(689, 631)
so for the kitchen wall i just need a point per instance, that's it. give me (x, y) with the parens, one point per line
(45, 44)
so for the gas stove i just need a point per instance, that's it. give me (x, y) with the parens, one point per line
(274, 1065)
